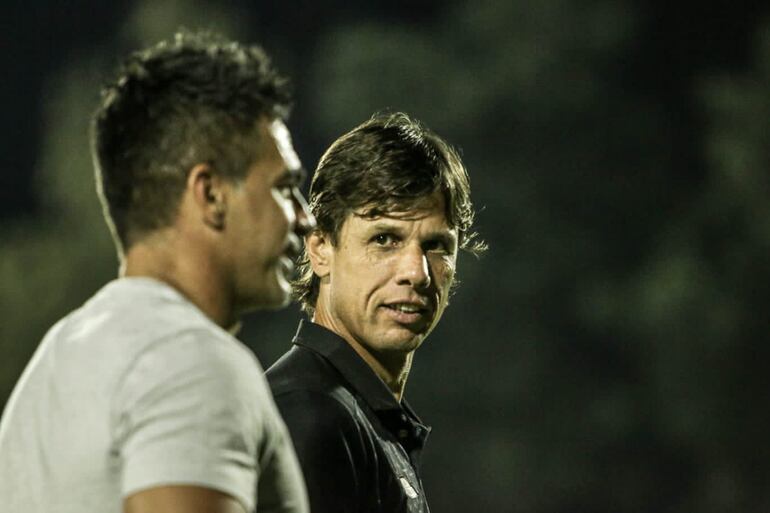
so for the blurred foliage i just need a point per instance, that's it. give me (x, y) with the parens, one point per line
(606, 355)
(51, 264)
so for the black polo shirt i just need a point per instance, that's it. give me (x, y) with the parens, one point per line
(359, 448)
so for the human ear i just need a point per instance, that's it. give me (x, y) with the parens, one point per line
(209, 195)
(319, 252)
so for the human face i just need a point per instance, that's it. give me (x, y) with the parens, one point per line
(267, 216)
(386, 282)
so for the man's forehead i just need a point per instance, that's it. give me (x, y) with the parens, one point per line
(405, 210)
(374, 218)
(397, 216)
(280, 133)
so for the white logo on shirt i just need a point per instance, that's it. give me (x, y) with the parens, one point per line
(408, 488)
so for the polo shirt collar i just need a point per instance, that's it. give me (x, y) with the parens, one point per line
(398, 418)
(352, 367)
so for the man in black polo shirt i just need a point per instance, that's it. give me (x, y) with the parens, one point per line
(392, 203)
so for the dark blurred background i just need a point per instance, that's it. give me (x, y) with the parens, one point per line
(608, 354)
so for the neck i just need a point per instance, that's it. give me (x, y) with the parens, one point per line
(392, 368)
(190, 270)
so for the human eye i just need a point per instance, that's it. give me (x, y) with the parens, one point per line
(439, 245)
(434, 245)
(384, 239)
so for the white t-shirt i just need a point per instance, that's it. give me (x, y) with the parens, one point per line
(138, 389)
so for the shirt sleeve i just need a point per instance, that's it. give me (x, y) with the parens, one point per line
(281, 488)
(332, 451)
(188, 412)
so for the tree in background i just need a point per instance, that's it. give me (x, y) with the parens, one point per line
(695, 307)
(606, 355)
(712, 276)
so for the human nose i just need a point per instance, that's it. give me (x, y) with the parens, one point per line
(305, 220)
(413, 268)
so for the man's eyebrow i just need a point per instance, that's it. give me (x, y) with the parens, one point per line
(384, 226)
(448, 236)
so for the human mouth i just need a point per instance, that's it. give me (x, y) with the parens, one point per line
(407, 312)
(406, 307)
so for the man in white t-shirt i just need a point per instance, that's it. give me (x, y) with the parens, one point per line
(141, 400)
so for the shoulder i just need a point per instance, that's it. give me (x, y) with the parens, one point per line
(335, 449)
(204, 351)
(302, 369)
(313, 397)
(197, 371)
(192, 408)
(138, 310)
(319, 410)
(325, 426)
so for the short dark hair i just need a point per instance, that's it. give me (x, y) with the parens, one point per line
(195, 98)
(389, 163)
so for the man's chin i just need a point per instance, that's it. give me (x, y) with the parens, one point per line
(404, 342)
